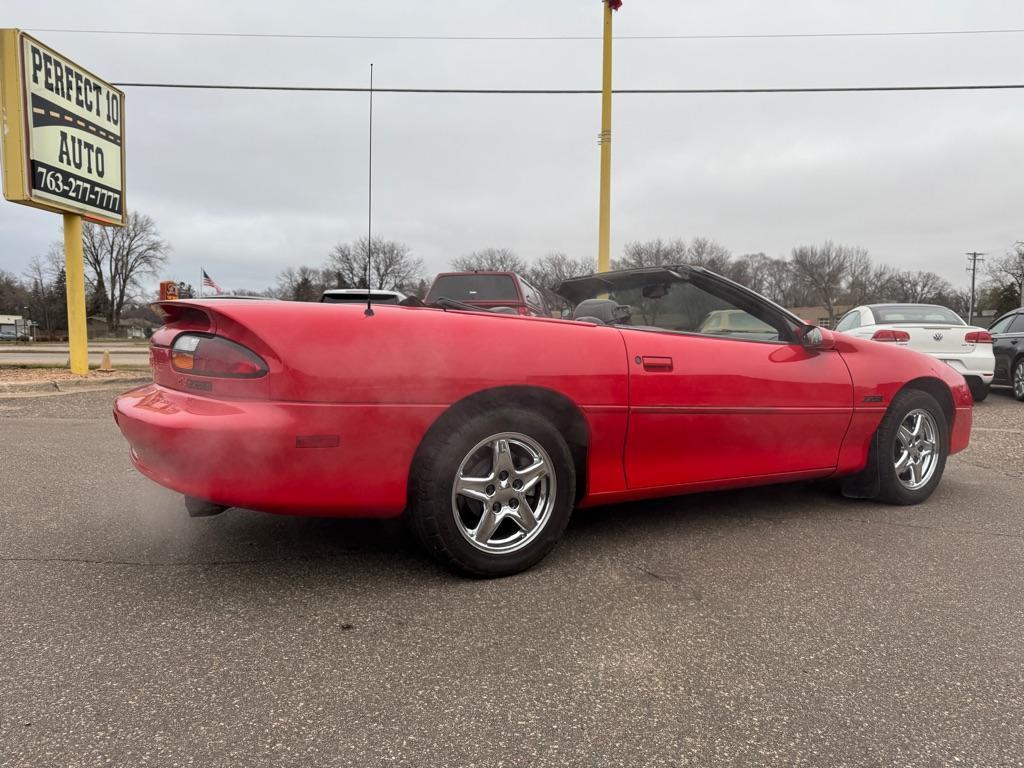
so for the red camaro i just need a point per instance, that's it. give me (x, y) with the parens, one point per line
(488, 429)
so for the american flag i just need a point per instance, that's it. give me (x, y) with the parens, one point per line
(208, 282)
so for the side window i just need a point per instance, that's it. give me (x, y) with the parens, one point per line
(685, 307)
(850, 321)
(1017, 326)
(1002, 325)
(531, 295)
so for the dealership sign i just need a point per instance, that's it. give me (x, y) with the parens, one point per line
(63, 133)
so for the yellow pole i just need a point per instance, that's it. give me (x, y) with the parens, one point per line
(604, 222)
(74, 267)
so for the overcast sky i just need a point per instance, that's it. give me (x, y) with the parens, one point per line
(246, 184)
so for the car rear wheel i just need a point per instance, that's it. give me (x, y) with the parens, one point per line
(492, 496)
(1018, 379)
(979, 389)
(913, 443)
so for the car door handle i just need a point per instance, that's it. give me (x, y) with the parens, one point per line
(657, 364)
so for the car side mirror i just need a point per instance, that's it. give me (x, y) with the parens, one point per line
(813, 337)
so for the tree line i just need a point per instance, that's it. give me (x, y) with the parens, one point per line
(122, 263)
(119, 264)
(829, 275)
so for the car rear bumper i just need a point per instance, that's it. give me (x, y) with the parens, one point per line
(349, 460)
(976, 365)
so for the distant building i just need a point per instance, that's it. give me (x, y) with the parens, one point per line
(14, 327)
(819, 315)
(128, 328)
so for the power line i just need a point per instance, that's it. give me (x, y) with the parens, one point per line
(575, 92)
(489, 38)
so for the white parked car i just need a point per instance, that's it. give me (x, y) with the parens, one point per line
(934, 330)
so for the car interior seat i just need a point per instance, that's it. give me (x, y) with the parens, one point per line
(602, 312)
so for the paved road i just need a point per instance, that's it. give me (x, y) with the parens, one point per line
(779, 627)
(57, 354)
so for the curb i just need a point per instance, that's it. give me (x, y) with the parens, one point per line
(69, 385)
(14, 351)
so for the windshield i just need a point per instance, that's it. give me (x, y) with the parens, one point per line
(915, 315)
(474, 288)
(688, 308)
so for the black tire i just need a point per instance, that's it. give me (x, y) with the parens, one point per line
(891, 488)
(979, 390)
(1017, 375)
(432, 510)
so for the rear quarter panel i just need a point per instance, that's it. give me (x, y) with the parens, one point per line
(400, 368)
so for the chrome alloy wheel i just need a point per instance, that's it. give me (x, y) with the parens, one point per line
(504, 493)
(1018, 380)
(916, 452)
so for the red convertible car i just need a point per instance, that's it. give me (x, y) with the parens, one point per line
(487, 430)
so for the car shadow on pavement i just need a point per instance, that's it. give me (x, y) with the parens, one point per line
(240, 536)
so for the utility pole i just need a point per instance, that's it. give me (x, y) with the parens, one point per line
(974, 257)
(605, 140)
(1019, 247)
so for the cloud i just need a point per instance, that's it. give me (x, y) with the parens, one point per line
(246, 184)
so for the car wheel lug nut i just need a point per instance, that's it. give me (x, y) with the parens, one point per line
(517, 484)
(490, 490)
(496, 506)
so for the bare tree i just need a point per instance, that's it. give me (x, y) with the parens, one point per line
(824, 270)
(116, 260)
(299, 284)
(551, 270)
(491, 259)
(392, 266)
(652, 253)
(13, 294)
(703, 252)
(866, 281)
(918, 287)
(1009, 269)
(47, 289)
(751, 270)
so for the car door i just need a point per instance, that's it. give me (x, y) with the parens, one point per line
(1007, 343)
(729, 404)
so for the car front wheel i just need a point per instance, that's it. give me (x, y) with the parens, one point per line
(913, 443)
(492, 496)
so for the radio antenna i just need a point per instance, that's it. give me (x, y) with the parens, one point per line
(369, 206)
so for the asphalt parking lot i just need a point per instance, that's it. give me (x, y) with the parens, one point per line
(771, 627)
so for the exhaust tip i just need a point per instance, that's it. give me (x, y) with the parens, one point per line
(202, 508)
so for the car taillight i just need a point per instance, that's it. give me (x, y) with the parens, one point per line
(215, 356)
(900, 337)
(978, 337)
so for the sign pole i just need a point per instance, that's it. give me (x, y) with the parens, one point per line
(605, 140)
(74, 268)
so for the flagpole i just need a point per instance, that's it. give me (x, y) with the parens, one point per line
(201, 273)
(605, 140)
